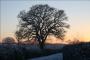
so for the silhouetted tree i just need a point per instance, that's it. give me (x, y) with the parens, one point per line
(8, 40)
(41, 21)
(75, 41)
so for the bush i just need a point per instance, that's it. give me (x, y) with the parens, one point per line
(10, 52)
(77, 52)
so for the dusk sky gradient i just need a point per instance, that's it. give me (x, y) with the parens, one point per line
(78, 13)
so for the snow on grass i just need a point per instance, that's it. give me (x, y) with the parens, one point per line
(58, 56)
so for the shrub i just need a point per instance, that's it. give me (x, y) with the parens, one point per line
(10, 52)
(77, 52)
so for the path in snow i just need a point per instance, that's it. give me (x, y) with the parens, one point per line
(58, 56)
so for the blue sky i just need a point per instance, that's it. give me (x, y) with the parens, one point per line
(78, 13)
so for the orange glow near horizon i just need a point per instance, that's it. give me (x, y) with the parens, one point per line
(52, 39)
(7, 35)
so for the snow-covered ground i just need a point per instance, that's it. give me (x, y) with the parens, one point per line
(58, 56)
(48, 46)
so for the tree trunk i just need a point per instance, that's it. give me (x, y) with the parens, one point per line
(18, 41)
(41, 45)
(41, 41)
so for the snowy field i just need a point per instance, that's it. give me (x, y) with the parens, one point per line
(58, 56)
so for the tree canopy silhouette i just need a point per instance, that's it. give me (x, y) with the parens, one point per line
(41, 21)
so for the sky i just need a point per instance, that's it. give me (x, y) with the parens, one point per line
(78, 13)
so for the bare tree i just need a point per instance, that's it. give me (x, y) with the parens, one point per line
(8, 40)
(41, 21)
